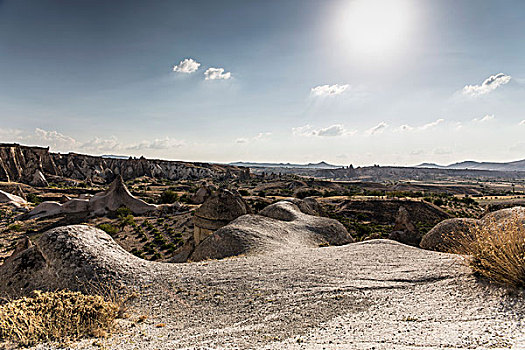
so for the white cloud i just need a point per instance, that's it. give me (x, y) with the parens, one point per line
(522, 122)
(490, 84)
(330, 131)
(157, 144)
(259, 136)
(54, 137)
(101, 145)
(216, 73)
(378, 129)
(405, 127)
(329, 90)
(430, 125)
(486, 118)
(188, 65)
(334, 130)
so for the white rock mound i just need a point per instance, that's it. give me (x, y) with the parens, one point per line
(116, 196)
(280, 225)
(74, 257)
(8, 198)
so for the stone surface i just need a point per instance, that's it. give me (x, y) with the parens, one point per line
(444, 236)
(373, 295)
(222, 207)
(278, 225)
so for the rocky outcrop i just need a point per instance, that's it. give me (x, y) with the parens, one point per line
(8, 198)
(404, 230)
(279, 225)
(35, 165)
(504, 214)
(203, 193)
(116, 196)
(219, 210)
(74, 257)
(446, 236)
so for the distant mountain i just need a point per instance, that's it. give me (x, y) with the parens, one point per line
(320, 165)
(518, 165)
(112, 156)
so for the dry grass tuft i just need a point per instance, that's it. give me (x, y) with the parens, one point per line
(56, 316)
(497, 250)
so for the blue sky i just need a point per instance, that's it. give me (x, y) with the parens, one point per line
(363, 81)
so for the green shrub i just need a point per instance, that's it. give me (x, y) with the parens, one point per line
(108, 228)
(168, 197)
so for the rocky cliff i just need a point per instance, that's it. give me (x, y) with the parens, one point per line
(35, 165)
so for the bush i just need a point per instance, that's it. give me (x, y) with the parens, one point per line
(497, 251)
(59, 316)
(33, 198)
(168, 197)
(122, 212)
(108, 228)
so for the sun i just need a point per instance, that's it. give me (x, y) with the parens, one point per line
(376, 27)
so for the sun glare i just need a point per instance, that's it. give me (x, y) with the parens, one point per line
(376, 27)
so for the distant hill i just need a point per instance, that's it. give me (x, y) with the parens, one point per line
(320, 165)
(518, 165)
(112, 156)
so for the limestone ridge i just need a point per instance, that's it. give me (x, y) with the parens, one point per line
(116, 196)
(36, 166)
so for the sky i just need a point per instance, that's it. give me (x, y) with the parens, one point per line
(390, 82)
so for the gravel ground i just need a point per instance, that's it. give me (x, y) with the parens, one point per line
(374, 295)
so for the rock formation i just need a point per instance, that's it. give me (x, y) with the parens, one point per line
(73, 257)
(203, 193)
(116, 196)
(445, 236)
(505, 214)
(8, 198)
(34, 165)
(404, 230)
(219, 210)
(278, 225)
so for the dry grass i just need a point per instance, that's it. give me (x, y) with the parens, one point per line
(497, 250)
(56, 316)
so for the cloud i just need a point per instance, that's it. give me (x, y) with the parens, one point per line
(157, 144)
(259, 136)
(216, 73)
(330, 131)
(378, 129)
(334, 130)
(188, 65)
(522, 122)
(329, 90)
(486, 118)
(432, 124)
(53, 137)
(101, 145)
(406, 127)
(490, 84)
